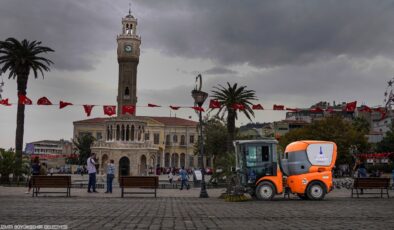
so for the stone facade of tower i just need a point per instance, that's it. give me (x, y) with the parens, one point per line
(128, 57)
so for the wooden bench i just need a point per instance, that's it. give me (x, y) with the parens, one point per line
(146, 182)
(371, 183)
(39, 182)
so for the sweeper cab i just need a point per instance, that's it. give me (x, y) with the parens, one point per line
(305, 168)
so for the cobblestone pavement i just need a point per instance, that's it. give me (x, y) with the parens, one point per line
(174, 209)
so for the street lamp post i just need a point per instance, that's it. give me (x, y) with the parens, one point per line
(199, 98)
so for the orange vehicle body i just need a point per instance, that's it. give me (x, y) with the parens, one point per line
(299, 183)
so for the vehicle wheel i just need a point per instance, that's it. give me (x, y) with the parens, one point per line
(302, 196)
(265, 191)
(315, 191)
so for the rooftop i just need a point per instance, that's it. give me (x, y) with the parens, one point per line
(175, 121)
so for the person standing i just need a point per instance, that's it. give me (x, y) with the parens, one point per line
(171, 177)
(91, 164)
(184, 178)
(110, 175)
(35, 171)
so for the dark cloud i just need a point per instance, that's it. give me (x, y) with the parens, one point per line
(269, 33)
(77, 30)
(219, 70)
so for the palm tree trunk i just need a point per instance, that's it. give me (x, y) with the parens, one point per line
(20, 118)
(230, 129)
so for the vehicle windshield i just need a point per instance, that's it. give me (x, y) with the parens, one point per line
(254, 155)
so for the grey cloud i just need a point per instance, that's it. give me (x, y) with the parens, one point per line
(339, 79)
(269, 33)
(77, 30)
(219, 70)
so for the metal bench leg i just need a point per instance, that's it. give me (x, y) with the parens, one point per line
(357, 193)
(122, 192)
(155, 192)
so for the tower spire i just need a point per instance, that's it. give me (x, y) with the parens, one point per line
(129, 8)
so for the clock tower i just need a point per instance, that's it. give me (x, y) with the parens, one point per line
(128, 57)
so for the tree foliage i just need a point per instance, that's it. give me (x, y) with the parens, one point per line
(387, 144)
(19, 57)
(335, 129)
(228, 97)
(83, 144)
(9, 165)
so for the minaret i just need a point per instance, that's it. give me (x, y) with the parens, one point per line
(128, 57)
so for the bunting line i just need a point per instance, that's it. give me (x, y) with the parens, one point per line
(110, 110)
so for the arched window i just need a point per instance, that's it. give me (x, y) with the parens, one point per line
(117, 132)
(167, 160)
(123, 133)
(132, 133)
(183, 160)
(175, 138)
(168, 139)
(108, 134)
(127, 91)
(183, 140)
(127, 133)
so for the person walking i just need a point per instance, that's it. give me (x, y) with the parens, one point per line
(184, 178)
(91, 164)
(35, 171)
(110, 175)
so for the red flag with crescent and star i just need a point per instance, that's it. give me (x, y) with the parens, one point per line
(23, 100)
(44, 101)
(63, 104)
(5, 102)
(88, 109)
(130, 109)
(109, 110)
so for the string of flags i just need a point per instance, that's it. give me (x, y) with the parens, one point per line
(110, 110)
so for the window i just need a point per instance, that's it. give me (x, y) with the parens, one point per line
(99, 136)
(175, 138)
(256, 155)
(147, 136)
(168, 140)
(191, 140)
(156, 138)
(183, 140)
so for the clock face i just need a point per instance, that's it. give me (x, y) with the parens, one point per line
(128, 48)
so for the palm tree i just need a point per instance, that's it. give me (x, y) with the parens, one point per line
(19, 58)
(228, 97)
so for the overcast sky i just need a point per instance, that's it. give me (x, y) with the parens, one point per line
(295, 53)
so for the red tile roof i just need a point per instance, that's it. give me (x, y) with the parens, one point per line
(176, 121)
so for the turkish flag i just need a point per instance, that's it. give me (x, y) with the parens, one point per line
(174, 107)
(238, 106)
(198, 108)
(109, 110)
(88, 109)
(214, 104)
(351, 106)
(5, 102)
(23, 100)
(278, 107)
(316, 110)
(130, 109)
(153, 105)
(257, 107)
(330, 110)
(366, 109)
(63, 104)
(293, 110)
(44, 101)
